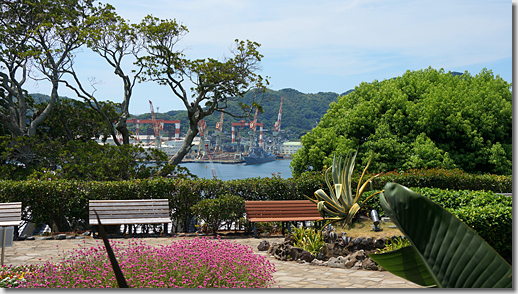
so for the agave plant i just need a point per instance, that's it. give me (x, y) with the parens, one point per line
(341, 205)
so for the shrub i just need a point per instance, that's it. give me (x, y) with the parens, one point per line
(309, 239)
(226, 208)
(195, 263)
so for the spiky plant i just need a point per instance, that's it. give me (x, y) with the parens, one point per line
(342, 204)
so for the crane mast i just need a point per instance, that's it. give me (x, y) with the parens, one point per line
(253, 125)
(156, 126)
(218, 132)
(277, 130)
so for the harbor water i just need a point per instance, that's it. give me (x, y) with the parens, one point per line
(227, 172)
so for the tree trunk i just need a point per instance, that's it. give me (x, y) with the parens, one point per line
(187, 142)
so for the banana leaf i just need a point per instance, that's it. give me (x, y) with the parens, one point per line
(405, 263)
(451, 253)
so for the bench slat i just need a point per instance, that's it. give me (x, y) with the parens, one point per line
(10, 214)
(281, 210)
(122, 212)
(9, 223)
(130, 221)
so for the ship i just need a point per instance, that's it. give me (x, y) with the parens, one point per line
(258, 155)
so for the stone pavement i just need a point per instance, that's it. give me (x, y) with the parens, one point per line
(289, 274)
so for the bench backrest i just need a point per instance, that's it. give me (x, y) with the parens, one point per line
(129, 211)
(10, 214)
(281, 209)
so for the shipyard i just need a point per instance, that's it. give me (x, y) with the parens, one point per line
(248, 143)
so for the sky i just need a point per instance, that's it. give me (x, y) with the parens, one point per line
(319, 46)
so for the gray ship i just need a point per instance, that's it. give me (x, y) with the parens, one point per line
(258, 155)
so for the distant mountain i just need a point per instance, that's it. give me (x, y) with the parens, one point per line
(300, 112)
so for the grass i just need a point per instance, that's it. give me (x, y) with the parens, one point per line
(362, 228)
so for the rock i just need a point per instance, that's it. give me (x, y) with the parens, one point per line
(70, 237)
(379, 243)
(61, 237)
(318, 262)
(280, 251)
(295, 252)
(369, 264)
(22, 237)
(49, 238)
(31, 238)
(87, 233)
(358, 255)
(263, 246)
(306, 256)
(80, 237)
(320, 256)
(336, 262)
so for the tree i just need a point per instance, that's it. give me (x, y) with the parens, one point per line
(215, 83)
(44, 34)
(113, 39)
(17, 22)
(426, 118)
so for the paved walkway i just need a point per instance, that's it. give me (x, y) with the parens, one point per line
(288, 274)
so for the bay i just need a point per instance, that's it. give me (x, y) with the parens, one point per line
(227, 172)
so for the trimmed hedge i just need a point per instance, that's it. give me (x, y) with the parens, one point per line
(446, 179)
(54, 202)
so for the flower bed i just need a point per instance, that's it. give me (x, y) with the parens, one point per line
(195, 263)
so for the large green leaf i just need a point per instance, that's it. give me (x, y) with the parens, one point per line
(405, 263)
(454, 255)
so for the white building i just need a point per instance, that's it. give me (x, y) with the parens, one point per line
(290, 147)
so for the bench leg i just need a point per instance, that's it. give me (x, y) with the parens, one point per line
(255, 230)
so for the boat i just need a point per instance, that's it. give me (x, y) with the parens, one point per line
(258, 155)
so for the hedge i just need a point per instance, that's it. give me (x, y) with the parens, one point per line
(56, 201)
(488, 213)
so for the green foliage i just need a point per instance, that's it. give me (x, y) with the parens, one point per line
(444, 251)
(75, 120)
(446, 179)
(309, 239)
(226, 208)
(423, 119)
(393, 245)
(341, 205)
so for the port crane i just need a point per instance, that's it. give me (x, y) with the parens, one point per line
(157, 126)
(202, 125)
(253, 125)
(276, 132)
(217, 133)
(213, 170)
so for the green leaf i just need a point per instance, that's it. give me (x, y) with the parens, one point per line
(405, 263)
(453, 253)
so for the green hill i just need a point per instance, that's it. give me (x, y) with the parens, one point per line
(300, 112)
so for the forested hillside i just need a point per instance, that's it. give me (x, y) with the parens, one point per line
(299, 113)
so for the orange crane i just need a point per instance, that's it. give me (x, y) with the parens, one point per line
(201, 128)
(156, 126)
(217, 133)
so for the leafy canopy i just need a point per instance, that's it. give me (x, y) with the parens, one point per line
(426, 118)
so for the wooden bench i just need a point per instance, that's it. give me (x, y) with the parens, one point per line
(129, 212)
(10, 216)
(281, 211)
